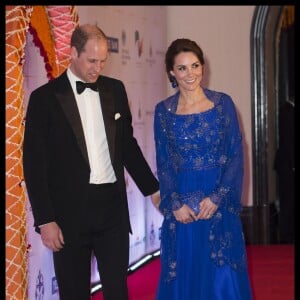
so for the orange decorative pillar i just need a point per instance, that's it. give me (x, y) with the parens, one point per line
(17, 20)
(52, 26)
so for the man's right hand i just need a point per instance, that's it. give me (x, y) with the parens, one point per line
(52, 236)
(155, 198)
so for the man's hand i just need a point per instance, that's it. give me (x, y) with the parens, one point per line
(52, 236)
(155, 198)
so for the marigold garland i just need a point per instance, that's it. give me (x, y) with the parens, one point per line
(63, 20)
(17, 20)
(43, 39)
(46, 22)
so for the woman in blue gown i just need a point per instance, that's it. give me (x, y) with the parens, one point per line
(200, 169)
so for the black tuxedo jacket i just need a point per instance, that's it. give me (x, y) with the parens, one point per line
(55, 159)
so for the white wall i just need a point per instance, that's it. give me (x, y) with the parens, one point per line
(223, 33)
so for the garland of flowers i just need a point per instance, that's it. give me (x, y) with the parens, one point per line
(40, 28)
(51, 27)
(63, 20)
(19, 19)
(17, 22)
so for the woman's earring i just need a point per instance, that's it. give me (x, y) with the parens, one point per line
(173, 82)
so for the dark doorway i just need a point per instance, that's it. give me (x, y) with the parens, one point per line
(272, 86)
(285, 155)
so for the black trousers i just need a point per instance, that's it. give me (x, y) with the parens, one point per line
(103, 234)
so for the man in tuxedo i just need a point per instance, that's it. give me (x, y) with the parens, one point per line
(78, 139)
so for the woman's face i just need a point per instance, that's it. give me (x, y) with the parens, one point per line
(187, 70)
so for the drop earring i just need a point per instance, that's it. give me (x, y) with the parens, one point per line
(173, 82)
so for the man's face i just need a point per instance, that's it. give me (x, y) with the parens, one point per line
(89, 64)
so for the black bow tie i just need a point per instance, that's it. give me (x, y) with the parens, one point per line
(81, 86)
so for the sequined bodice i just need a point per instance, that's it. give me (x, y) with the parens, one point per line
(196, 139)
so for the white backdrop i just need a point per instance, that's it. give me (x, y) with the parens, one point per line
(138, 39)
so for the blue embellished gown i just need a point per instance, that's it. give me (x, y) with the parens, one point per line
(200, 155)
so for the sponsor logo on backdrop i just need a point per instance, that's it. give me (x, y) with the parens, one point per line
(151, 61)
(123, 37)
(39, 287)
(160, 53)
(159, 233)
(113, 44)
(125, 54)
(138, 42)
(140, 111)
(152, 234)
(139, 120)
(54, 285)
(139, 241)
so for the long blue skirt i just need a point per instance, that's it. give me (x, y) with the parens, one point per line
(198, 278)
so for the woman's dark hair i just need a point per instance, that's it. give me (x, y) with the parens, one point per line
(178, 46)
(83, 33)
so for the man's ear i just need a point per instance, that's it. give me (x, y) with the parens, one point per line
(74, 53)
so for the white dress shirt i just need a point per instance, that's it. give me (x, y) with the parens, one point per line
(90, 112)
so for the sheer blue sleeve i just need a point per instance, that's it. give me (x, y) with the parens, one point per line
(166, 169)
(229, 186)
(226, 234)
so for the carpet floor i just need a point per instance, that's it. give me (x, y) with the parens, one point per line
(271, 269)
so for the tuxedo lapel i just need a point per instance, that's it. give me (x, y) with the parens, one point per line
(67, 100)
(108, 111)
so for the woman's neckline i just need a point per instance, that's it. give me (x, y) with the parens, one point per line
(175, 106)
